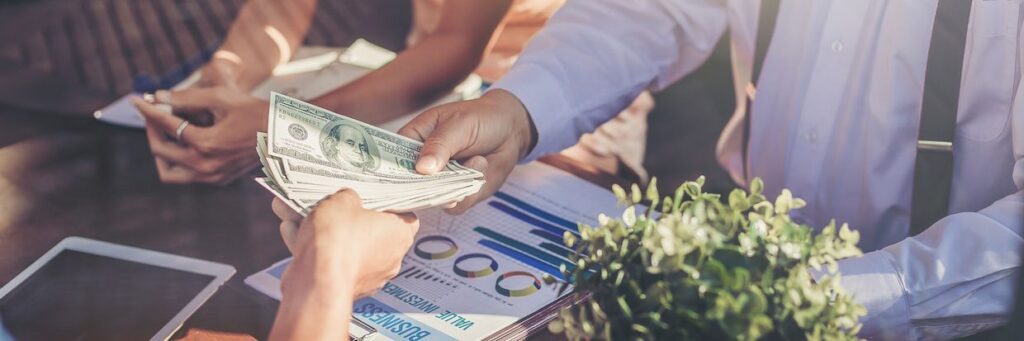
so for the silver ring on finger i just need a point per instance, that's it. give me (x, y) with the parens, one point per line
(181, 129)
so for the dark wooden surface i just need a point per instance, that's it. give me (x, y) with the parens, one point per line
(94, 181)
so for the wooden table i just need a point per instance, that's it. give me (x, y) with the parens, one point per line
(64, 176)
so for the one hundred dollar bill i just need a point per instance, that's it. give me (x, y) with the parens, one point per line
(309, 153)
(304, 132)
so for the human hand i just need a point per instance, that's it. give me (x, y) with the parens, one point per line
(216, 153)
(341, 247)
(491, 133)
(290, 221)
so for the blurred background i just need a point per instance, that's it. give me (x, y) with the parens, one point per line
(62, 59)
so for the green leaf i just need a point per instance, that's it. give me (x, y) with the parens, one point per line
(756, 186)
(738, 200)
(652, 190)
(624, 308)
(708, 268)
(629, 216)
(692, 189)
(784, 202)
(637, 195)
(619, 192)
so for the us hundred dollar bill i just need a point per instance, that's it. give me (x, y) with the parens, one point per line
(301, 131)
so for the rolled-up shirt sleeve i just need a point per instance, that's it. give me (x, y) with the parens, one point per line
(594, 56)
(956, 278)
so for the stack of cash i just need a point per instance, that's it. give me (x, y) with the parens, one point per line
(309, 153)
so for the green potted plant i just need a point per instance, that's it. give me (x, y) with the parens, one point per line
(692, 267)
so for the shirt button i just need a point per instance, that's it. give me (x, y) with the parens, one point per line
(811, 136)
(837, 46)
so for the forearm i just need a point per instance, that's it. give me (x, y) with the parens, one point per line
(316, 315)
(418, 76)
(956, 277)
(317, 296)
(265, 34)
(426, 71)
(574, 74)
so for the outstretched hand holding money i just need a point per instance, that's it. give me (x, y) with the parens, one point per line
(309, 153)
(494, 131)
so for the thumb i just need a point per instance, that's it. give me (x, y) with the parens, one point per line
(421, 128)
(444, 141)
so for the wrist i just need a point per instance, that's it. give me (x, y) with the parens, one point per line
(317, 269)
(321, 313)
(231, 66)
(524, 131)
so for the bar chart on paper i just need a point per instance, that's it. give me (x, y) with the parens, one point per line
(469, 276)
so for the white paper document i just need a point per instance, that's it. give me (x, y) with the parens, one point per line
(468, 277)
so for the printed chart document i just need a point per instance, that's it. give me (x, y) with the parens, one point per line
(479, 275)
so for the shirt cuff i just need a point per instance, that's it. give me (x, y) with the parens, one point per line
(542, 94)
(876, 284)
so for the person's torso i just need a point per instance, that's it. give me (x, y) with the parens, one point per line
(838, 106)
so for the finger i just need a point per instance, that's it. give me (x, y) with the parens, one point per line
(160, 118)
(168, 123)
(289, 231)
(423, 128)
(443, 143)
(477, 162)
(222, 170)
(168, 150)
(411, 222)
(284, 212)
(495, 175)
(340, 202)
(193, 104)
(173, 174)
(238, 172)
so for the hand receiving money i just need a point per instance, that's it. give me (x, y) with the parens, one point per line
(309, 153)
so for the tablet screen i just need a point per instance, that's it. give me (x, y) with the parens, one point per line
(81, 296)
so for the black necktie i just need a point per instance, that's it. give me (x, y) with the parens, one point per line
(933, 168)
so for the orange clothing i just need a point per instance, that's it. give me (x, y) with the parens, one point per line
(523, 20)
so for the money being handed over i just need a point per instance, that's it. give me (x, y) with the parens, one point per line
(309, 153)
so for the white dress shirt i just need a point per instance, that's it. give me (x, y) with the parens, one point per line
(835, 120)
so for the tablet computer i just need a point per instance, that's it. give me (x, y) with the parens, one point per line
(85, 289)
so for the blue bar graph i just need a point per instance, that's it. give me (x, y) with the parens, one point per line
(534, 210)
(557, 249)
(522, 257)
(547, 235)
(523, 247)
(556, 230)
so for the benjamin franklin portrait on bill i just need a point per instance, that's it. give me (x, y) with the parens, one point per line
(347, 146)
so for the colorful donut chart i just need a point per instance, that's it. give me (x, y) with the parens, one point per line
(474, 273)
(452, 249)
(527, 291)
